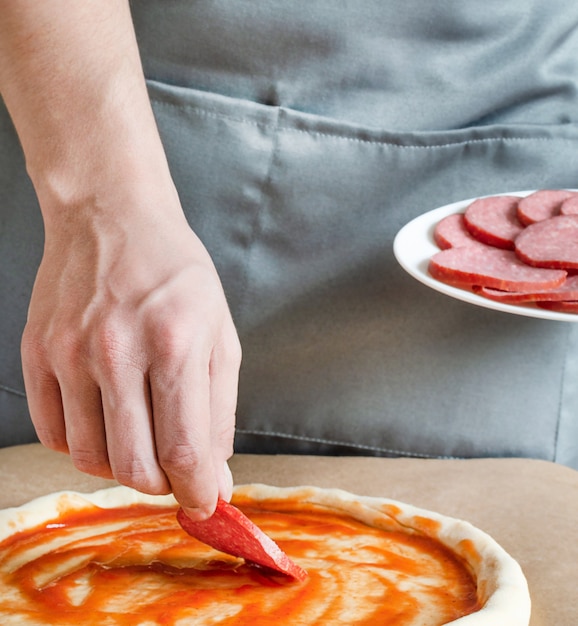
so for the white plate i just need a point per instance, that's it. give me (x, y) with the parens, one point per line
(414, 246)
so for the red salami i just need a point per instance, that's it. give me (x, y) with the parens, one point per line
(566, 306)
(451, 232)
(567, 291)
(494, 220)
(491, 267)
(229, 530)
(552, 243)
(476, 256)
(541, 205)
(570, 206)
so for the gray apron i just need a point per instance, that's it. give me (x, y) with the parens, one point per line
(302, 137)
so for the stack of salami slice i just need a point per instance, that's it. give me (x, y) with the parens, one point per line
(512, 249)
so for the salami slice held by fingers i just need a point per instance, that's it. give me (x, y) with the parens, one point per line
(491, 267)
(494, 220)
(542, 205)
(231, 531)
(551, 243)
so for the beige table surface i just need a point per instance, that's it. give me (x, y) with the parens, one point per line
(529, 507)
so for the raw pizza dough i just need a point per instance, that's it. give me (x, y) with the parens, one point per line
(67, 559)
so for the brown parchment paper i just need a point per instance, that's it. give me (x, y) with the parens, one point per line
(529, 507)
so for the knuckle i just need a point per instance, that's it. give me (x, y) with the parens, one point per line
(40, 347)
(32, 345)
(69, 351)
(180, 461)
(111, 351)
(142, 476)
(59, 347)
(51, 439)
(170, 340)
(108, 343)
(92, 462)
(184, 457)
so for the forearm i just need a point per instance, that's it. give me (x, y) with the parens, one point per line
(71, 77)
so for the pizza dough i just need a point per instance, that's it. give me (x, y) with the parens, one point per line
(118, 557)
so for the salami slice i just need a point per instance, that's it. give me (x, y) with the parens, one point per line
(451, 232)
(570, 205)
(494, 220)
(566, 306)
(568, 290)
(551, 243)
(541, 205)
(491, 267)
(229, 530)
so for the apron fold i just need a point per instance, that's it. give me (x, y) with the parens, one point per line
(342, 350)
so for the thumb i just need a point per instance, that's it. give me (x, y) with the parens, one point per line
(225, 481)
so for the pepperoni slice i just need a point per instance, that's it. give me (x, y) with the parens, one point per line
(491, 267)
(541, 205)
(451, 232)
(229, 530)
(551, 243)
(494, 220)
(568, 290)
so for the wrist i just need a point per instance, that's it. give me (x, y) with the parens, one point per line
(121, 164)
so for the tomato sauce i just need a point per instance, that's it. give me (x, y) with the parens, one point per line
(134, 566)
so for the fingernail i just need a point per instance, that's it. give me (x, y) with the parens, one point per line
(197, 514)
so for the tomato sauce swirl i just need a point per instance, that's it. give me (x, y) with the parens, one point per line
(135, 566)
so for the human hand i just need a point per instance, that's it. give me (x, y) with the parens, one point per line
(130, 354)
